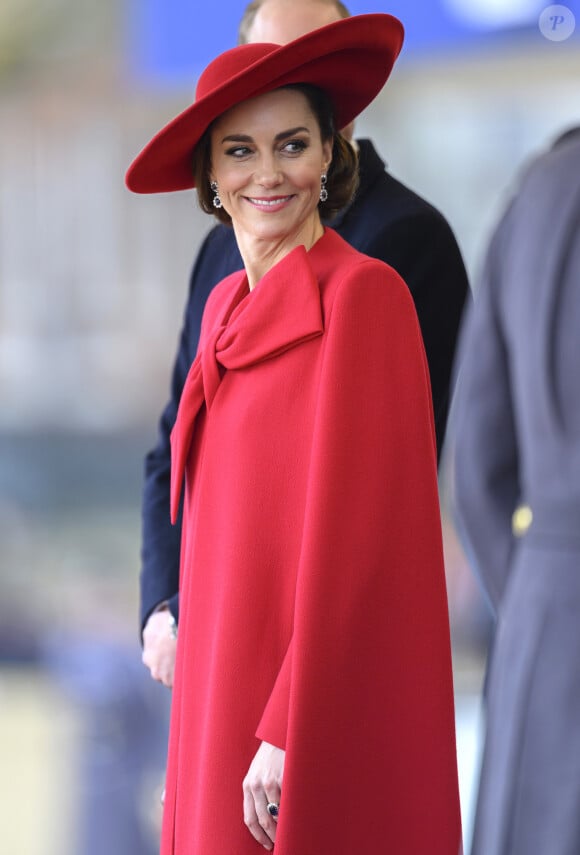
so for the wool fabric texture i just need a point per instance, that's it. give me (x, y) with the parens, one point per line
(313, 605)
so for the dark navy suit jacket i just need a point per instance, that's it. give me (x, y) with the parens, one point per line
(386, 220)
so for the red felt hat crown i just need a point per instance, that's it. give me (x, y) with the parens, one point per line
(350, 59)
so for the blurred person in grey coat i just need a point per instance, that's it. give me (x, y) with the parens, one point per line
(515, 440)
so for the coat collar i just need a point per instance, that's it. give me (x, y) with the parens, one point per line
(281, 312)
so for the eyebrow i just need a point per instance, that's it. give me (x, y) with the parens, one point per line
(281, 136)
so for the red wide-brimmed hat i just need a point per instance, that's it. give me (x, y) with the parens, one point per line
(349, 59)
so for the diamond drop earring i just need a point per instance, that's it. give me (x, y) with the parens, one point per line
(217, 202)
(323, 190)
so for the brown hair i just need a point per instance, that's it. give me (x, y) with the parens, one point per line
(252, 8)
(342, 176)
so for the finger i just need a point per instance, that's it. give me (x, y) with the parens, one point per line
(152, 664)
(165, 673)
(261, 802)
(273, 794)
(161, 663)
(273, 808)
(252, 820)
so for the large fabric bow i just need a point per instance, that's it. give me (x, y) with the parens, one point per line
(282, 311)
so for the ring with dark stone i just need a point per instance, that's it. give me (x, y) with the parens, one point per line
(273, 809)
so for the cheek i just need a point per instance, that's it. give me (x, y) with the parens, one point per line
(231, 178)
(307, 179)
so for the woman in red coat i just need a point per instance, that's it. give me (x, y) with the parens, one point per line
(313, 700)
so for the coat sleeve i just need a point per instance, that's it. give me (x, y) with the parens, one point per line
(483, 439)
(367, 694)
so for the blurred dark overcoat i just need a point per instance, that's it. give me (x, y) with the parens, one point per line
(516, 437)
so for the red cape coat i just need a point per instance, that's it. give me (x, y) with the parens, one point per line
(313, 603)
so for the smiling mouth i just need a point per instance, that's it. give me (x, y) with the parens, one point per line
(269, 203)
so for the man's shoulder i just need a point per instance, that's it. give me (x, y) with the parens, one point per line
(550, 172)
(381, 190)
(390, 221)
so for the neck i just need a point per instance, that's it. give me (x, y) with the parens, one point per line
(260, 255)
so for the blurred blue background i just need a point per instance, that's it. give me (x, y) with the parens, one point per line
(173, 41)
(93, 282)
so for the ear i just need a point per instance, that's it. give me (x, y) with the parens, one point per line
(326, 155)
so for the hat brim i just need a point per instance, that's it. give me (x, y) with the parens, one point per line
(350, 60)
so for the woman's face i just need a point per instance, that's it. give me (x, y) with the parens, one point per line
(267, 158)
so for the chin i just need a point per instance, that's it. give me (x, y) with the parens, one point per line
(274, 231)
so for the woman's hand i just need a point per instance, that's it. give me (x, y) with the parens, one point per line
(262, 786)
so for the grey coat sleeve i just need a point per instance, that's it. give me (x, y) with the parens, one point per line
(483, 439)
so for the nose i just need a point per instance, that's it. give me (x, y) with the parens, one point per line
(268, 173)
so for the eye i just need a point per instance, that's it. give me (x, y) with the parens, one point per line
(294, 146)
(238, 151)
